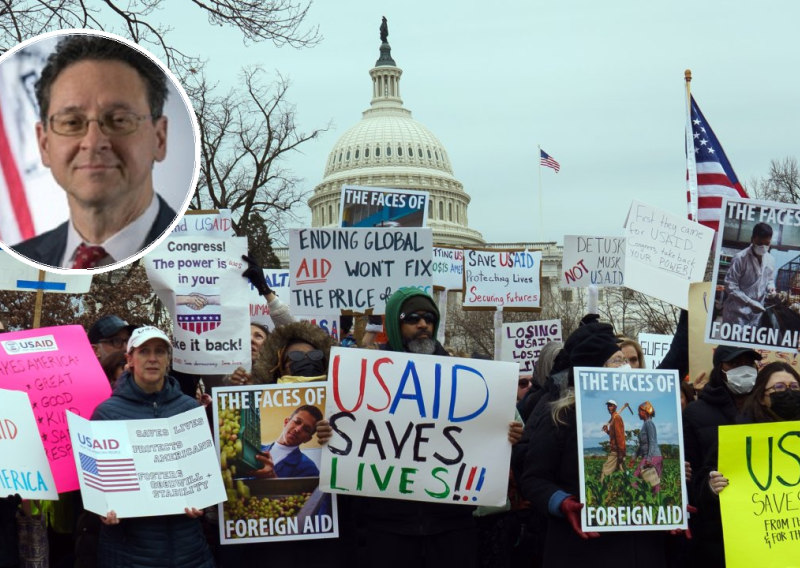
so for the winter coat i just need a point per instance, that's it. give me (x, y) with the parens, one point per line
(551, 466)
(173, 541)
(9, 553)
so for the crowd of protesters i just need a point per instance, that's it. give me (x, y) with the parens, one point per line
(540, 524)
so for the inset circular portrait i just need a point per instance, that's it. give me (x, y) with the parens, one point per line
(99, 151)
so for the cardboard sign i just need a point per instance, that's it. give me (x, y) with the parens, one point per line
(146, 468)
(664, 253)
(418, 427)
(278, 281)
(757, 299)
(655, 347)
(642, 490)
(507, 279)
(760, 506)
(276, 497)
(199, 280)
(369, 207)
(448, 268)
(58, 369)
(356, 269)
(593, 261)
(19, 277)
(522, 342)
(24, 470)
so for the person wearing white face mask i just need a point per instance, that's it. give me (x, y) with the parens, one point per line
(718, 404)
(749, 280)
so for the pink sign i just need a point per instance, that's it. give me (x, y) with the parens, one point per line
(58, 369)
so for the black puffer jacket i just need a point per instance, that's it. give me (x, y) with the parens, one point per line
(168, 541)
(9, 553)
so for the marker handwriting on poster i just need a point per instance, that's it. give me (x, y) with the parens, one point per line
(598, 261)
(448, 268)
(507, 279)
(523, 342)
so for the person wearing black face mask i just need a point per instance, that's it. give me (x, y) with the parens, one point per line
(296, 352)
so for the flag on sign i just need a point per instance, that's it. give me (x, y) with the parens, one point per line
(109, 476)
(199, 323)
(548, 161)
(715, 176)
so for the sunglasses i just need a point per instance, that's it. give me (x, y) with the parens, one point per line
(314, 355)
(524, 383)
(413, 319)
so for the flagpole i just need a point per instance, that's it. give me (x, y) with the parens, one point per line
(541, 215)
(691, 164)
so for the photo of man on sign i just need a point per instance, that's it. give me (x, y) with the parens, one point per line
(283, 458)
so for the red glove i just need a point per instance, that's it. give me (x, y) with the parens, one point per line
(571, 508)
(688, 532)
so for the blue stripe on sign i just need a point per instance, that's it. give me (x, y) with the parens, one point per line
(34, 285)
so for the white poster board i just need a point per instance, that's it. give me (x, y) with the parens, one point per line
(507, 279)
(655, 346)
(146, 468)
(19, 277)
(356, 269)
(199, 280)
(24, 469)
(278, 281)
(448, 268)
(448, 418)
(665, 253)
(522, 342)
(593, 261)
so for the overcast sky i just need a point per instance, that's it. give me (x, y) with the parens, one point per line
(599, 85)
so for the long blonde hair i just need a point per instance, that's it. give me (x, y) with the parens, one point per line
(560, 407)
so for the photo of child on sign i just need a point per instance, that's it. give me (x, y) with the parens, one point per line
(270, 459)
(756, 280)
(631, 466)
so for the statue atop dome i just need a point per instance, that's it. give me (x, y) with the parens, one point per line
(384, 30)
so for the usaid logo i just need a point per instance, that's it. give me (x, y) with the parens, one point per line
(31, 345)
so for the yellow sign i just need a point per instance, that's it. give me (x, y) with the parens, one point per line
(761, 505)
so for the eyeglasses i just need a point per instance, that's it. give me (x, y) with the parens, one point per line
(112, 123)
(314, 355)
(413, 319)
(780, 387)
(616, 362)
(116, 342)
(524, 383)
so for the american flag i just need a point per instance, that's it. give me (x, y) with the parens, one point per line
(109, 476)
(548, 161)
(199, 323)
(715, 175)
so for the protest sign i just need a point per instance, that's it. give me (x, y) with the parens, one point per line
(356, 269)
(701, 354)
(328, 324)
(381, 207)
(278, 281)
(278, 497)
(761, 505)
(757, 298)
(199, 280)
(507, 279)
(664, 253)
(24, 470)
(654, 346)
(418, 427)
(17, 276)
(448, 268)
(522, 342)
(145, 468)
(214, 223)
(593, 261)
(58, 369)
(647, 492)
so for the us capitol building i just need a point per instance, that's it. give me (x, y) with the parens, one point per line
(388, 148)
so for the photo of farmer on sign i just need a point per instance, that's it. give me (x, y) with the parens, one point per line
(756, 281)
(270, 459)
(631, 458)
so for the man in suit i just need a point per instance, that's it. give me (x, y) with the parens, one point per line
(101, 130)
(283, 457)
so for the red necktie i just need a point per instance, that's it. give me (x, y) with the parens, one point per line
(88, 257)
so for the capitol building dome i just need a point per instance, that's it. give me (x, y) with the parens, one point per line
(388, 148)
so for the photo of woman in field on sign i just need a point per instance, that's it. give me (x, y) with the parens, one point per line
(650, 460)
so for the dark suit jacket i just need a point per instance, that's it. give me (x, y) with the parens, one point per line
(48, 248)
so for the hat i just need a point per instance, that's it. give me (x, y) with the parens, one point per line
(647, 408)
(107, 326)
(726, 353)
(593, 351)
(143, 334)
(420, 302)
(611, 401)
